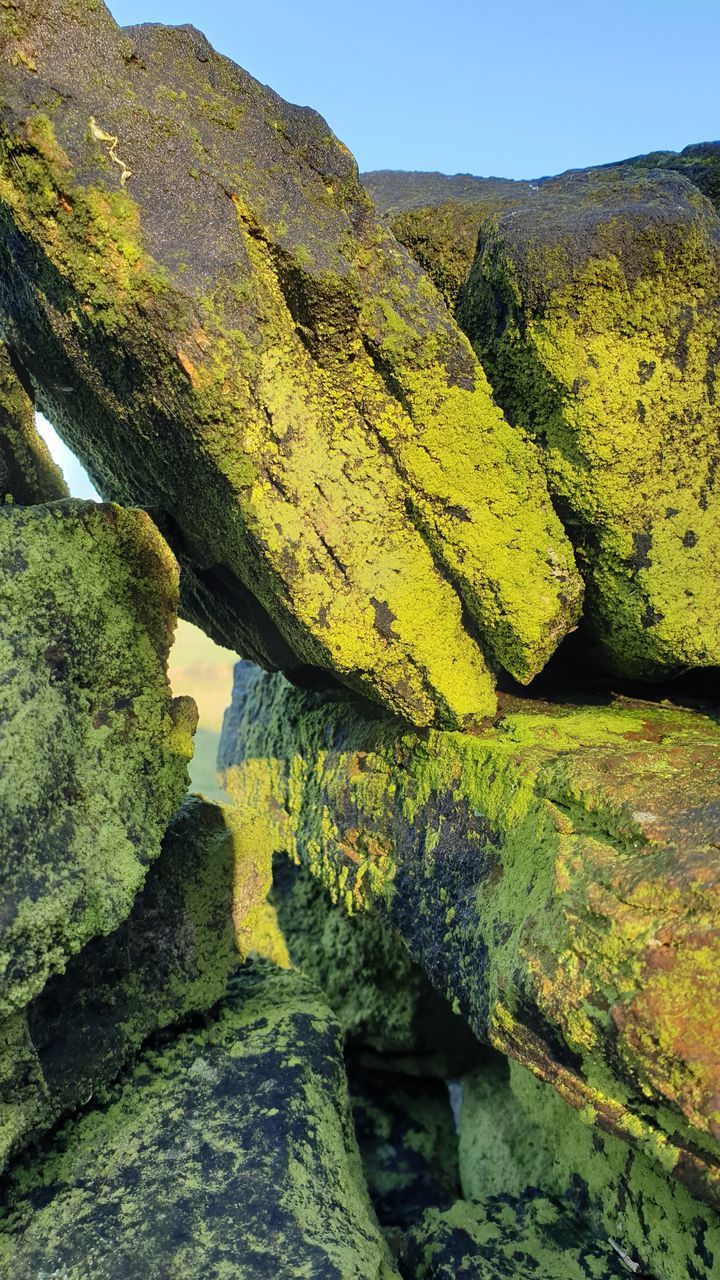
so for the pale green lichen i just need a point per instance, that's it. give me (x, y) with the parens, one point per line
(515, 1131)
(548, 863)
(595, 309)
(298, 374)
(94, 751)
(222, 1152)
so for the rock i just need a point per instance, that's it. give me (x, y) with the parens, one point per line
(228, 1151)
(408, 1143)
(438, 218)
(381, 997)
(528, 1237)
(515, 1130)
(171, 957)
(555, 874)
(218, 323)
(27, 472)
(595, 308)
(700, 163)
(93, 749)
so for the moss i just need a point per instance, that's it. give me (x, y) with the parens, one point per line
(171, 957)
(549, 873)
(595, 311)
(226, 1152)
(525, 1237)
(93, 757)
(27, 472)
(381, 997)
(516, 1131)
(289, 391)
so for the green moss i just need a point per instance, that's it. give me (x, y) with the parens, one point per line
(380, 995)
(595, 311)
(290, 391)
(516, 1131)
(171, 957)
(223, 1152)
(94, 750)
(546, 872)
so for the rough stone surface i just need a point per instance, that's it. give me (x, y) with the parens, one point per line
(219, 324)
(556, 874)
(528, 1237)
(93, 749)
(171, 957)
(516, 1131)
(382, 998)
(407, 1140)
(595, 308)
(27, 472)
(227, 1153)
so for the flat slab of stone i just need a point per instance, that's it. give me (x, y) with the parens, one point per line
(556, 874)
(228, 1152)
(217, 321)
(93, 748)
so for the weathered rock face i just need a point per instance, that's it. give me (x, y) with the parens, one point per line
(515, 1131)
(528, 1237)
(93, 749)
(382, 998)
(223, 1153)
(221, 327)
(27, 472)
(556, 875)
(407, 1140)
(700, 163)
(171, 957)
(596, 309)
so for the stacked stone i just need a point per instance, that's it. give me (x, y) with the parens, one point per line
(436, 995)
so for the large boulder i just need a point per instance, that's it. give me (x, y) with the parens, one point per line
(595, 308)
(93, 748)
(170, 958)
(516, 1131)
(555, 873)
(227, 1152)
(217, 321)
(27, 472)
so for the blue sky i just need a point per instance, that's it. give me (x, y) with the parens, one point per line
(514, 88)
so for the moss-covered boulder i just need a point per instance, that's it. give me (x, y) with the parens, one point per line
(516, 1131)
(228, 1152)
(596, 309)
(27, 472)
(556, 875)
(527, 1237)
(700, 163)
(171, 957)
(219, 324)
(438, 217)
(93, 749)
(408, 1142)
(380, 995)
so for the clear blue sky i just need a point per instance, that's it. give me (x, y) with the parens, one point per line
(509, 88)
